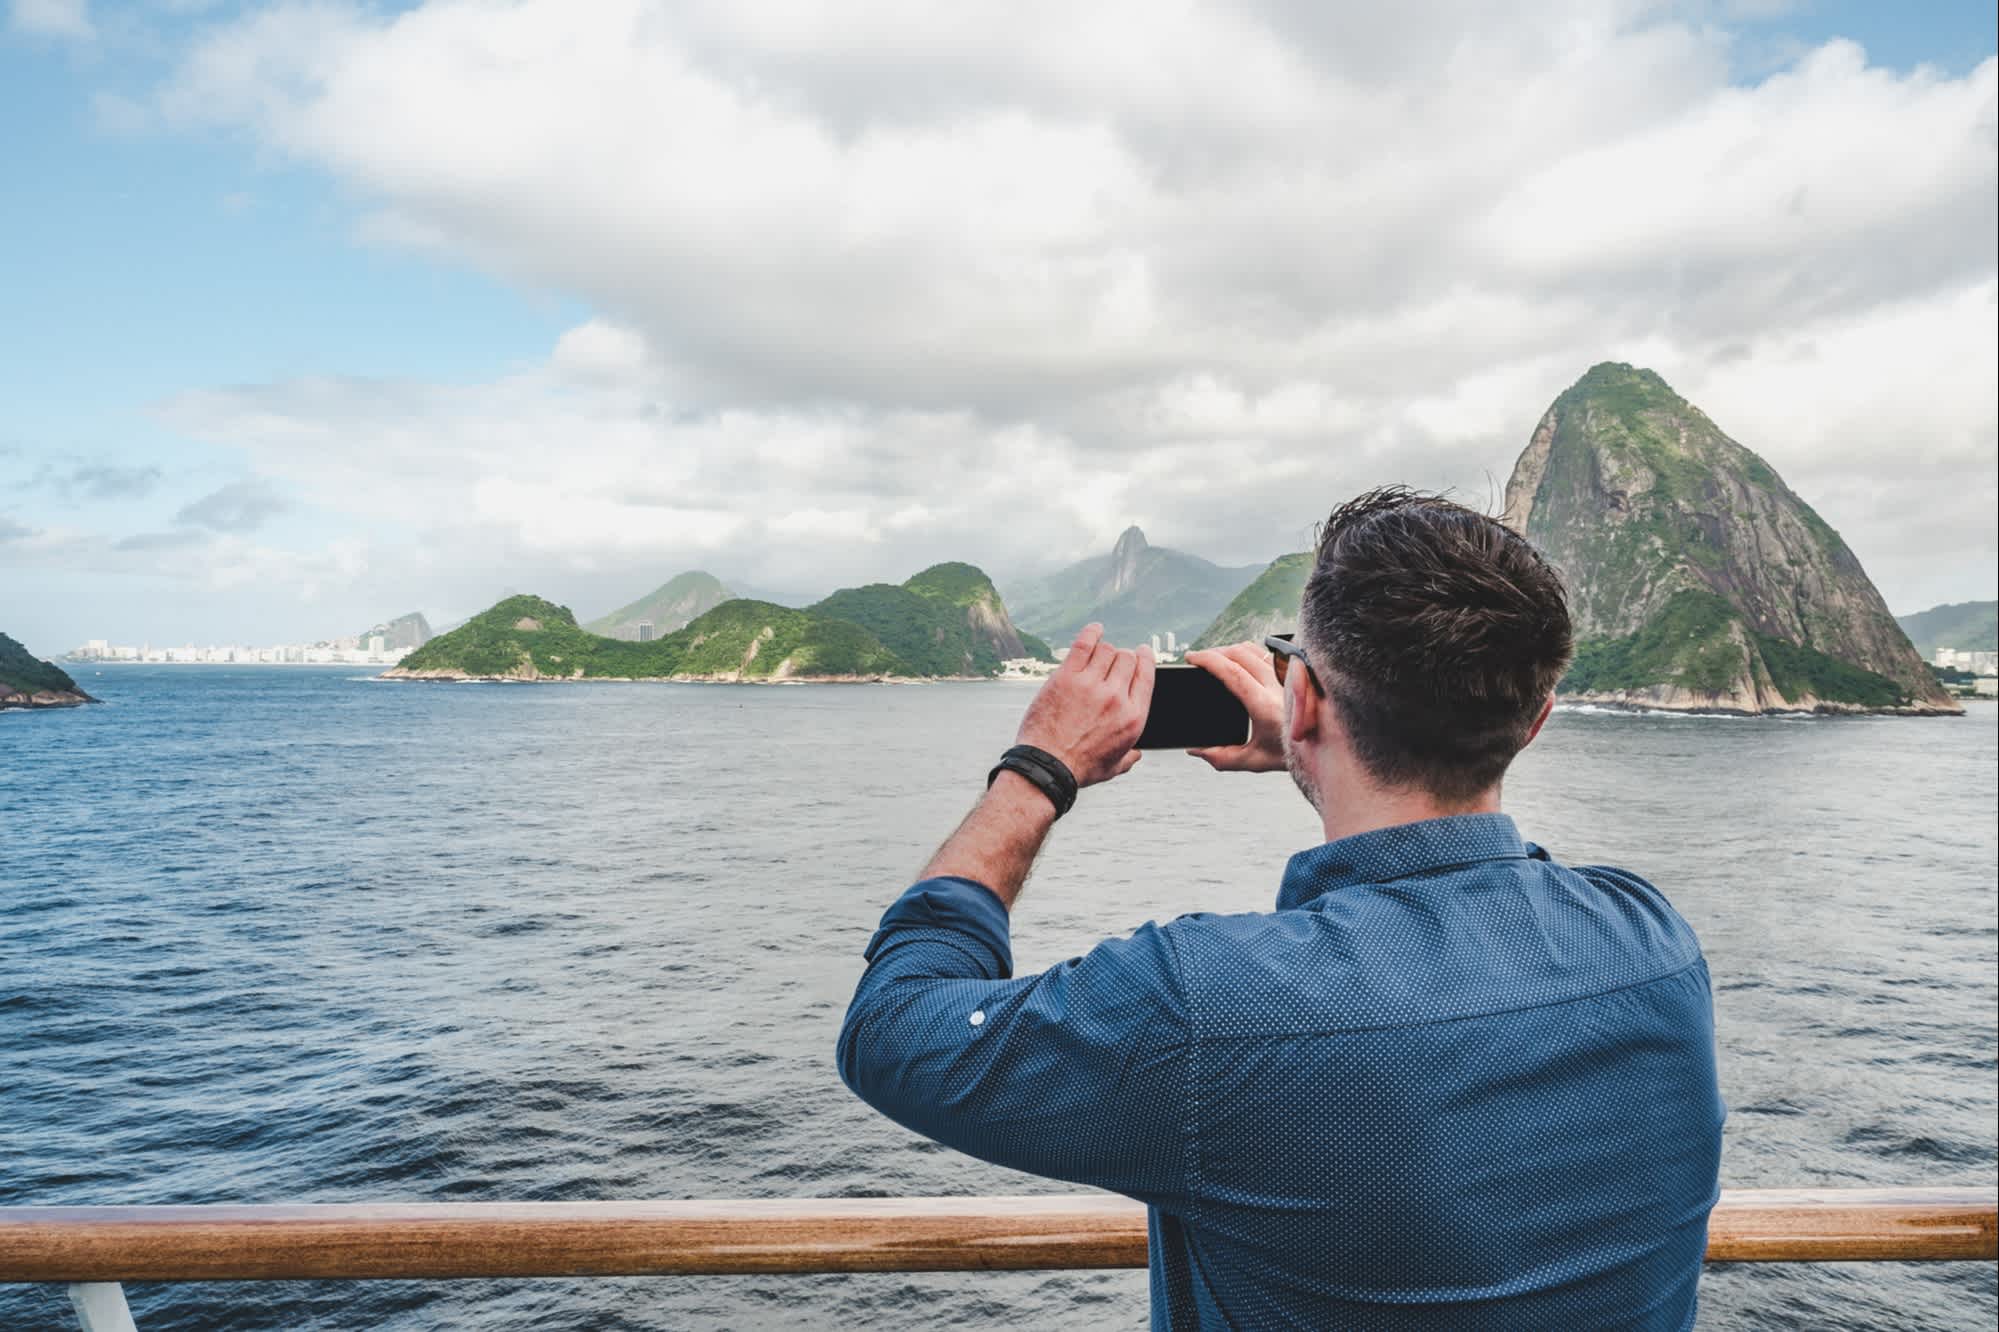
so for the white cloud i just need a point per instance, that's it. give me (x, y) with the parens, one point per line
(68, 19)
(890, 282)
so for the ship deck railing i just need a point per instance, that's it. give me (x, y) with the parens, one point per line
(95, 1249)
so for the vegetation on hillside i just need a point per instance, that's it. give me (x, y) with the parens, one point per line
(1797, 671)
(982, 611)
(937, 624)
(1968, 626)
(753, 639)
(26, 673)
(1687, 643)
(497, 641)
(760, 640)
(954, 582)
(929, 634)
(1698, 642)
(1268, 605)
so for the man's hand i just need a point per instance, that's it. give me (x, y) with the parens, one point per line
(1090, 711)
(1245, 668)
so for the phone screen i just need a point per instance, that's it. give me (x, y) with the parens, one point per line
(1191, 709)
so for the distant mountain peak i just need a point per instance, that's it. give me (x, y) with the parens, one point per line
(666, 608)
(1125, 558)
(1135, 590)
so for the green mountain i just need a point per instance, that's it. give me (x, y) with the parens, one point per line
(405, 631)
(1135, 591)
(755, 640)
(26, 681)
(1968, 626)
(945, 621)
(528, 638)
(966, 587)
(1269, 605)
(1697, 578)
(667, 607)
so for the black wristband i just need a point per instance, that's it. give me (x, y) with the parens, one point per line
(1050, 775)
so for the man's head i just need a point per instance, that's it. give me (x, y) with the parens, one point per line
(1437, 635)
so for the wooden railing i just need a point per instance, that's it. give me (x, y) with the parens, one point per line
(95, 1247)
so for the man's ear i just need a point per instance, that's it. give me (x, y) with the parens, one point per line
(1301, 718)
(1539, 722)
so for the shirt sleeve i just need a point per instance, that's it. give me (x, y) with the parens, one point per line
(1078, 1073)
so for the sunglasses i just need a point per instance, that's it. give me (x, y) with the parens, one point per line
(1283, 648)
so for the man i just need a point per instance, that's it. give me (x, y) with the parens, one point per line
(1448, 1083)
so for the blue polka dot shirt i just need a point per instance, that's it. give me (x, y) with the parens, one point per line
(1447, 1083)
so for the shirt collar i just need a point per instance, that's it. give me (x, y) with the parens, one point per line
(1399, 851)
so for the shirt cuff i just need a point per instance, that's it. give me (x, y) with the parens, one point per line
(965, 911)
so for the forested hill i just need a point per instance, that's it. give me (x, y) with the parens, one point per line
(946, 621)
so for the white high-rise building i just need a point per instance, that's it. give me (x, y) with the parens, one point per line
(1171, 646)
(1155, 645)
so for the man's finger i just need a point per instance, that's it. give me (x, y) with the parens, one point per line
(1142, 679)
(1123, 666)
(1230, 672)
(1104, 658)
(1128, 762)
(1254, 658)
(1214, 758)
(1084, 647)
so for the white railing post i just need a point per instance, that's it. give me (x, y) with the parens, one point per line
(101, 1307)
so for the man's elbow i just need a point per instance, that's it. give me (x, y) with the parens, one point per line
(860, 1063)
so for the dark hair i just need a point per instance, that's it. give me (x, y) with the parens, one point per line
(1438, 633)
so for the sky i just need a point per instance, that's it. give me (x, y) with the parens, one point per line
(313, 314)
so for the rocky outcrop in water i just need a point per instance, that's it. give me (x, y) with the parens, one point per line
(26, 681)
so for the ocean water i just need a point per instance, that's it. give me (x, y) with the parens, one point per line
(291, 935)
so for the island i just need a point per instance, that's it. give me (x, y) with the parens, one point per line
(947, 622)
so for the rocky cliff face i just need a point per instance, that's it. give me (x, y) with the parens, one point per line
(1655, 515)
(1126, 557)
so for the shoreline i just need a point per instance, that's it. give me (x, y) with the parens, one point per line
(42, 700)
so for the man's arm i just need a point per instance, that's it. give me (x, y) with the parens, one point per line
(1088, 714)
(1076, 1073)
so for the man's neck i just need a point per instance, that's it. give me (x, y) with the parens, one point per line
(1355, 807)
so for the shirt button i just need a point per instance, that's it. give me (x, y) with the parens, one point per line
(978, 1016)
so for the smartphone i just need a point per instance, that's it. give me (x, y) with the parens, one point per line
(1191, 709)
